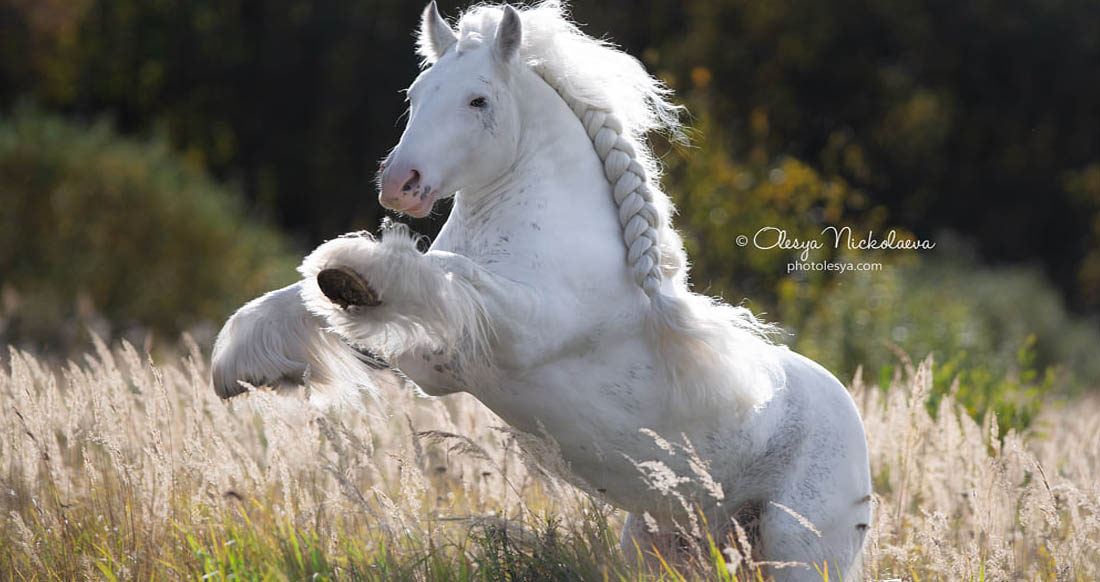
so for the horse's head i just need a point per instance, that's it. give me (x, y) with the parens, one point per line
(463, 128)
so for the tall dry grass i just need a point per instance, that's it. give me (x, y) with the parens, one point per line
(118, 468)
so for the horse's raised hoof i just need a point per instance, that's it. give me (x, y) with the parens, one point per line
(346, 288)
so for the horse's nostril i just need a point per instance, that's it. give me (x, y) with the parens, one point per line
(412, 182)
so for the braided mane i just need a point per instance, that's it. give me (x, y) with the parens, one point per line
(713, 350)
(619, 103)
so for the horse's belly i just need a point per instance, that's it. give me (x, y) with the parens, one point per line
(596, 407)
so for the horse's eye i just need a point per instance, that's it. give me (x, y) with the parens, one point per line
(478, 102)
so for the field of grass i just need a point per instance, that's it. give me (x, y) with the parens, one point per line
(119, 468)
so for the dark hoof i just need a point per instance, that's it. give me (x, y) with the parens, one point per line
(346, 288)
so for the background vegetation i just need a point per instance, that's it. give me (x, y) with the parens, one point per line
(118, 235)
(975, 116)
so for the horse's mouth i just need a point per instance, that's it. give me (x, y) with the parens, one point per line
(423, 208)
(420, 206)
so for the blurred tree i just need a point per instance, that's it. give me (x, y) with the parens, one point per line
(952, 115)
(294, 100)
(1084, 187)
(720, 199)
(118, 235)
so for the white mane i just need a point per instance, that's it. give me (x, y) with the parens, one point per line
(715, 351)
(596, 73)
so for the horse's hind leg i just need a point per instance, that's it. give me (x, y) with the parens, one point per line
(640, 546)
(837, 546)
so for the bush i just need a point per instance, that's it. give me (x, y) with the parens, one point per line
(720, 198)
(118, 234)
(1002, 333)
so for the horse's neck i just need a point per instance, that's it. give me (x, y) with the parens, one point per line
(554, 206)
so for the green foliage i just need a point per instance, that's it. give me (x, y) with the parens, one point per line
(1016, 395)
(118, 234)
(506, 552)
(243, 551)
(948, 308)
(720, 199)
(1003, 334)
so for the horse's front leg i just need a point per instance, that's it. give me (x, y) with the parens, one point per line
(435, 371)
(432, 314)
(274, 341)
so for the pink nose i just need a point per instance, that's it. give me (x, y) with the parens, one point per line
(400, 190)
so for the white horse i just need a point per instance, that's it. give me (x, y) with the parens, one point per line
(524, 300)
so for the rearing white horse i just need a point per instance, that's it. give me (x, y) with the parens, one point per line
(524, 300)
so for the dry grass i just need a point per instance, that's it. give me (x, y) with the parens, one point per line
(119, 469)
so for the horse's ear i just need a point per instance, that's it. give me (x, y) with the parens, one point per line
(509, 35)
(435, 35)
